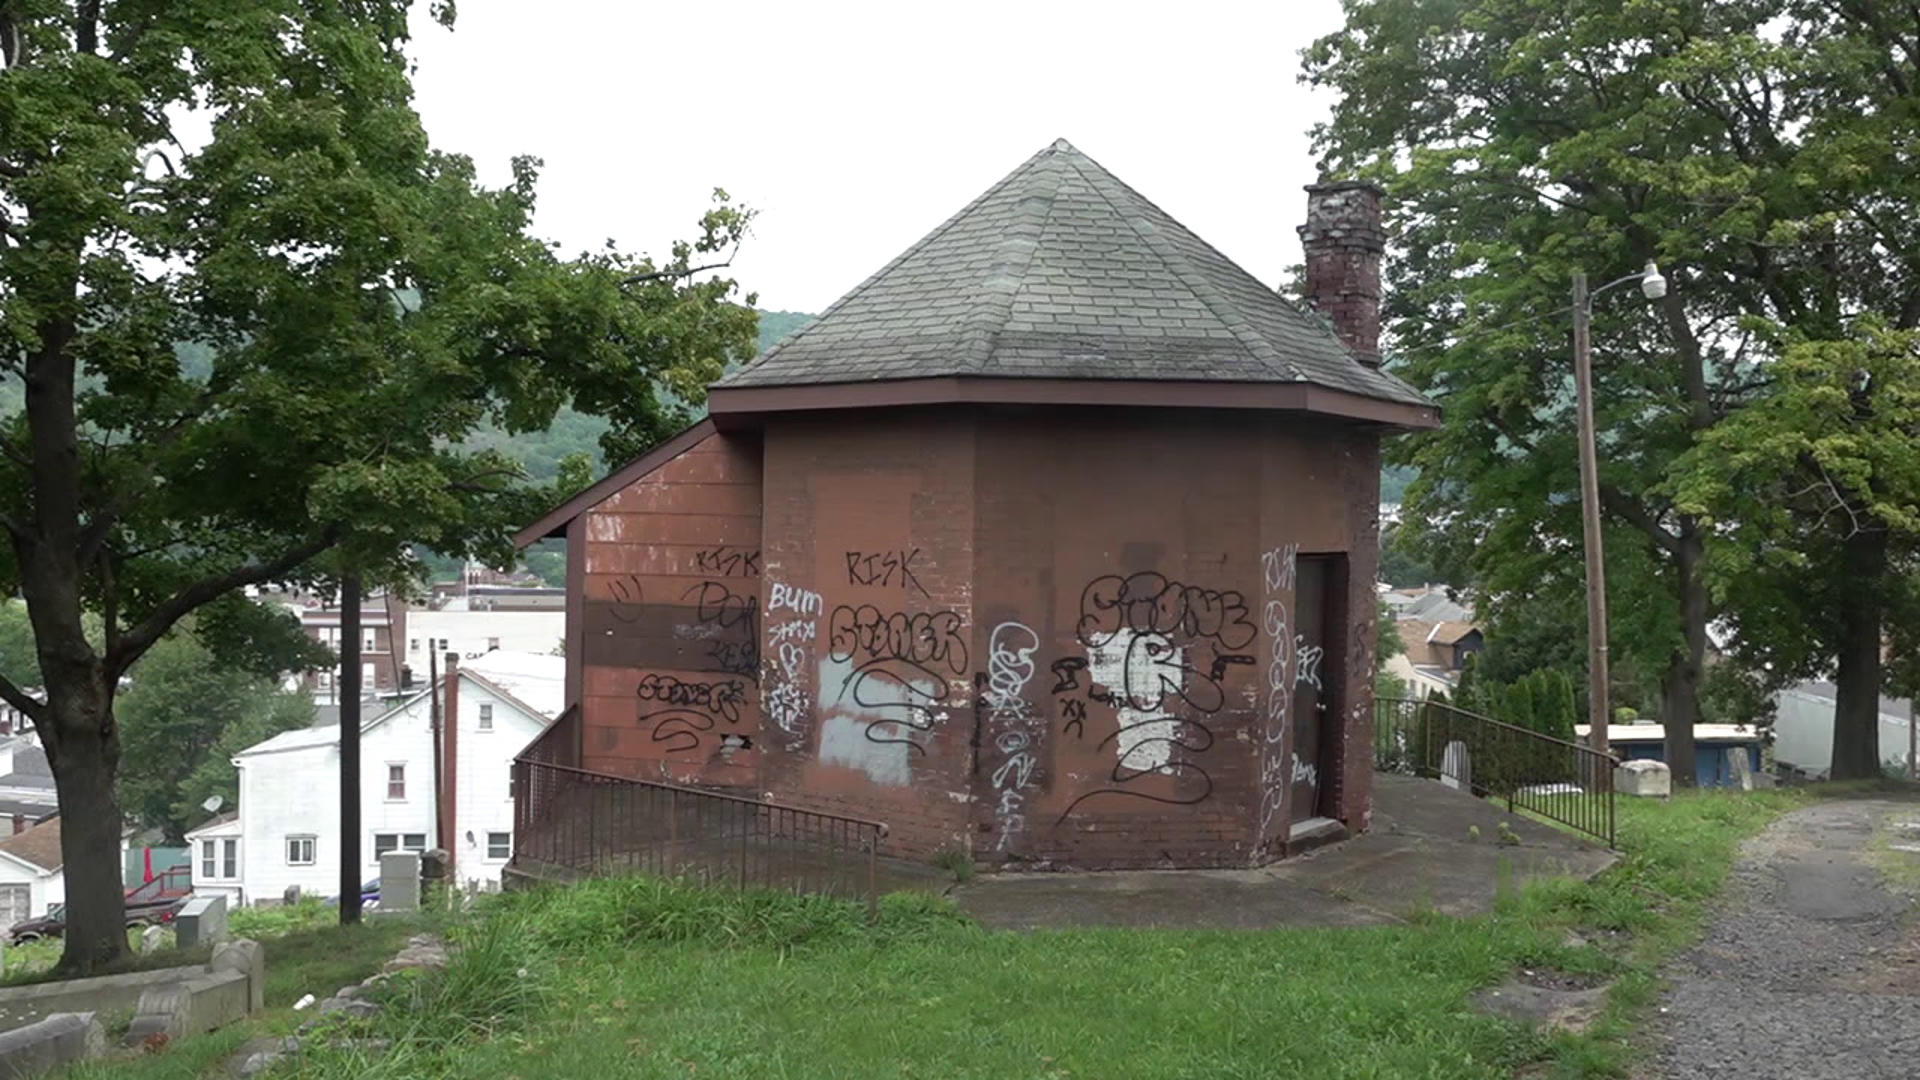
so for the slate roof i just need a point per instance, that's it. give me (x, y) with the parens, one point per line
(1061, 271)
(39, 845)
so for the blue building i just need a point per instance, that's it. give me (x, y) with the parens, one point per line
(1710, 745)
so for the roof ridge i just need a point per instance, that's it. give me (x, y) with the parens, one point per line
(980, 329)
(939, 230)
(1221, 307)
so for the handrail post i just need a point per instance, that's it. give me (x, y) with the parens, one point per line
(673, 831)
(873, 882)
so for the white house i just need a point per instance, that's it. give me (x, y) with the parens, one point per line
(476, 632)
(1803, 728)
(31, 880)
(214, 849)
(289, 813)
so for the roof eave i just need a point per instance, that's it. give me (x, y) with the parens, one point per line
(742, 407)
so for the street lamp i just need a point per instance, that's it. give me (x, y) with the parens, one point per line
(1653, 286)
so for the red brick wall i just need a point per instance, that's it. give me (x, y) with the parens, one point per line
(1043, 637)
(670, 639)
(870, 648)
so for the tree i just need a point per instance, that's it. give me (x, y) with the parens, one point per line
(1735, 141)
(357, 305)
(184, 716)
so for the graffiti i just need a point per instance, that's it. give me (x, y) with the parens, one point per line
(1223, 661)
(927, 640)
(727, 562)
(1075, 713)
(679, 730)
(1306, 661)
(627, 597)
(793, 598)
(1150, 604)
(1305, 770)
(1278, 569)
(723, 699)
(787, 700)
(885, 569)
(1150, 753)
(731, 624)
(1010, 667)
(1066, 673)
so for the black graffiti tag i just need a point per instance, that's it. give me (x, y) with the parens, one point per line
(925, 640)
(884, 568)
(728, 562)
(723, 698)
(1150, 604)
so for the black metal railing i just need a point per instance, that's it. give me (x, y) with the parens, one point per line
(575, 822)
(1558, 780)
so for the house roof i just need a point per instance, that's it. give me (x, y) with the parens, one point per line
(230, 817)
(308, 738)
(1642, 733)
(1829, 693)
(1450, 632)
(38, 845)
(555, 521)
(1062, 272)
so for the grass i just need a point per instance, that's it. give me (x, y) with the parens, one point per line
(647, 978)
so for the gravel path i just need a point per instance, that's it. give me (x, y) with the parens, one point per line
(1811, 968)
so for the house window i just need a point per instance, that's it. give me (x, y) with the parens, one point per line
(326, 680)
(219, 858)
(499, 845)
(493, 643)
(510, 774)
(486, 716)
(367, 641)
(385, 842)
(396, 783)
(413, 644)
(300, 850)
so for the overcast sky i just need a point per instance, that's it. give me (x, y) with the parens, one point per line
(855, 129)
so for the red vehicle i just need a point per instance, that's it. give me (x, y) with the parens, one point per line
(156, 901)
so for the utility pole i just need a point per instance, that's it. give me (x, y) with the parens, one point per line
(1598, 713)
(433, 721)
(350, 870)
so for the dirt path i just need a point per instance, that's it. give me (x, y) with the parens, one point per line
(1811, 967)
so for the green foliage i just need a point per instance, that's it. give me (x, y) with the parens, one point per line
(1748, 146)
(183, 718)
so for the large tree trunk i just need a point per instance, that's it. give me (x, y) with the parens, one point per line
(1680, 682)
(84, 767)
(1856, 705)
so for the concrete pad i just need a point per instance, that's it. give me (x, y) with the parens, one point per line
(1422, 853)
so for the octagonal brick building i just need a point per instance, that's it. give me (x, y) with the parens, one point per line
(1053, 542)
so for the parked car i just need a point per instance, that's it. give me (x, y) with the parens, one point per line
(140, 913)
(369, 896)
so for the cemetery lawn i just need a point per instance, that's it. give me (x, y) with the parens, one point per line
(645, 978)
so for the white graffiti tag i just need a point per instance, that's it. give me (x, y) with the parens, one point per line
(1286, 666)
(1010, 666)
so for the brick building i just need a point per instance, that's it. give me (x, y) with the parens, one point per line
(1053, 541)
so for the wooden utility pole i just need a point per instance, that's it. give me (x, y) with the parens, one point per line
(350, 690)
(1598, 712)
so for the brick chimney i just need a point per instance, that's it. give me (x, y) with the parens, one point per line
(450, 761)
(1343, 240)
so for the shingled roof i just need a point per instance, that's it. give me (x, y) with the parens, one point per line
(1060, 271)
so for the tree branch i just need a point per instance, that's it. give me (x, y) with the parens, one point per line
(689, 272)
(18, 698)
(1625, 508)
(86, 30)
(139, 639)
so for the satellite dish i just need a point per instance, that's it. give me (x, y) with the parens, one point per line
(213, 804)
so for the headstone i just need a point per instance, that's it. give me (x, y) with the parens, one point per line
(247, 956)
(150, 938)
(202, 922)
(400, 881)
(1456, 768)
(1643, 777)
(58, 1040)
(291, 896)
(1739, 768)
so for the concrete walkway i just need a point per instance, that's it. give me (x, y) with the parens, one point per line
(1811, 967)
(1419, 855)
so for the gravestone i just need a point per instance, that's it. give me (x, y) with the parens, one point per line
(400, 881)
(1644, 778)
(51, 1043)
(202, 922)
(150, 938)
(1456, 767)
(1739, 768)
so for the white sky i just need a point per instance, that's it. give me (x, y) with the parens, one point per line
(855, 129)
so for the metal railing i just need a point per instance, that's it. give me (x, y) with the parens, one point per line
(575, 822)
(1558, 780)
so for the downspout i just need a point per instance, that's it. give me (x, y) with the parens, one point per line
(433, 721)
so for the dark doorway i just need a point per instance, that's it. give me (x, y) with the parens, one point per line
(1313, 734)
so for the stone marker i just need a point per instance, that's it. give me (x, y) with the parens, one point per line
(1739, 769)
(1456, 768)
(1643, 777)
(150, 938)
(58, 1040)
(202, 922)
(400, 881)
(246, 956)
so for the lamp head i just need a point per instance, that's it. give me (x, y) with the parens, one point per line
(1652, 285)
